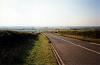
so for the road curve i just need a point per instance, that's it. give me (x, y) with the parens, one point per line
(75, 52)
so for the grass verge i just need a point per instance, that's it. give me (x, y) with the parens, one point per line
(80, 38)
(41, 53)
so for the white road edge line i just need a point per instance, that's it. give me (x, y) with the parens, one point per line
(61, 61)
(95, 44)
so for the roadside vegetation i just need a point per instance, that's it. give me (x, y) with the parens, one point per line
(14, 46)
(87, 35)
(41, 53)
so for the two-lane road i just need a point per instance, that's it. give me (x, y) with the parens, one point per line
(75, 52)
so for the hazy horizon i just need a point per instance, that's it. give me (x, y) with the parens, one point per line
(48, 13)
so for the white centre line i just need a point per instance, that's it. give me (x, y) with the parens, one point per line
(78, 45)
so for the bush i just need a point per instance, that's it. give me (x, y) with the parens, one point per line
(13, 46)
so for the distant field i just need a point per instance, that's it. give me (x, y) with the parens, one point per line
(83, 33)
(14, 46)
(88, 35)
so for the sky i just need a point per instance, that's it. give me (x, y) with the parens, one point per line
(49, 13)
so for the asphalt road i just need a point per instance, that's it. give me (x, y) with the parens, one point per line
(76, 52)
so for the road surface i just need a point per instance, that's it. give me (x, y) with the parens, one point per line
(75, 52)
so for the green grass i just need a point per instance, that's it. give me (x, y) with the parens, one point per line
(14, 46)
(41, 53)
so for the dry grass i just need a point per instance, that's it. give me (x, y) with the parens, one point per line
(86, 35)
(83, 38)
(41, 53)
